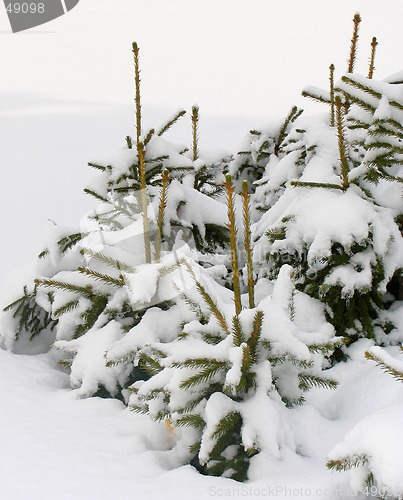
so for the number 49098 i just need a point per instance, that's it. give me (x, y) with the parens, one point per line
(25, 8)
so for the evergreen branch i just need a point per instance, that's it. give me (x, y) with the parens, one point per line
(385, 366)
(356, 100)
(200, 363)
(129, 142)
(195, 130)
(227, 424)
(354, 123)
(43, 254)
(139, 409)
(205, 375)
(370, 91)
(179, 169)
(253, 341)
(396, 131)
(150, 365)
(193, 306)
(85, 291)
(346, 463)
(210, 302)
(299, 363)
(276, 233)
(91, 315)
(342, 144)
(326, 348)
(143, 201)
(69, 241)
(354, 42)
(194, 448)
(161, 214)
(364, 88)
(153, 174)
(171, 122)
(247, 377)
(389, 148)
(193, 403)
(316, 184)
(315, 96)
(110, 280)
(148, 137)
(237, 332)
(165, 270)
(291, 403)
(65, 363)
(291, 117)
(248, 243)
(70, 306)
(191, 420)
(332, 96)
(102, 168)
(233, 242)
(99, 197)
(371, 70)
(109, 261)
(157, 159)
(137, 89)
(19, 301)
(307, 380)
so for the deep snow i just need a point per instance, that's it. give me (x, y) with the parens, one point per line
(59, 108)
(55, 445)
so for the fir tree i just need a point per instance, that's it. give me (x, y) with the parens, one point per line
(228, 365)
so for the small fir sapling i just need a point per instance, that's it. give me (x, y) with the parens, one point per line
(231, 365)
(346, 269)
(148, 213)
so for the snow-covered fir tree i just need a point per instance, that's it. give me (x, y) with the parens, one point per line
(213, 295)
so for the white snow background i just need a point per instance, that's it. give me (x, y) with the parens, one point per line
(66, 96)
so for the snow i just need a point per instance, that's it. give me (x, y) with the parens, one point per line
(111, 453)
(377, 437)
(55, 444)
(88, 369)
